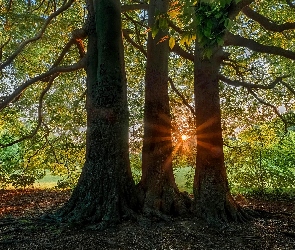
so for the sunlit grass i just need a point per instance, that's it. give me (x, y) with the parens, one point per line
(48, 181)
(181, 179)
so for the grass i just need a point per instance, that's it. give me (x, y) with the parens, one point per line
(48, 181)
(184, 178)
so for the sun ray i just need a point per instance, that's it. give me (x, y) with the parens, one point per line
(206, 123)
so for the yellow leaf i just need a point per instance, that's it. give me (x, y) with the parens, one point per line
(171, 42)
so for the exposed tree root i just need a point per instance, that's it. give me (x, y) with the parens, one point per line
(164, 203)
(221, 214)
(100, 203)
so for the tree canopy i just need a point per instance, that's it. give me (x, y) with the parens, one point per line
(245, 47)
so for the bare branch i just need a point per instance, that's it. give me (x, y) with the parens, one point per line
(9, 5)
(2, 46)
(290, 3)
(239, 69)
(276, 111)
(237, 7)
(135, 22)
(175, 27)
(181, 96)
(236, 40)
(129, 7)
(39, 6)
(40, 116)
(77, 36)
(237, 83)
(289, 87)
(267, 23)
(63, 53)
(38, 36)
(7, 100)
(136, 45)
(180, 51)
(177, 49)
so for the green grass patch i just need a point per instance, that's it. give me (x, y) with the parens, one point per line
(184, 177)
(48, 181)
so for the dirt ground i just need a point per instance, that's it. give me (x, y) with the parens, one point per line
(21, 228)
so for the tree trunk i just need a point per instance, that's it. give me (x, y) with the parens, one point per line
(160, 194)
(105, 190)
(213, 200)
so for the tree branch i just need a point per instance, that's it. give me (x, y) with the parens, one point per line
(181, 97)
(135, 22)
(276, 111)
(129, 7)
(129, 39)
(236, 40)
(40, 116)
(175, 27)
(38, 36)
(250, 85)
(265, 22)
(2, 46)
(289, 2)
(181, 52)
(289, 87)
(235, 9)
(77, 36)
(8, 99)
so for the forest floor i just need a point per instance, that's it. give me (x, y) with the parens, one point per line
(21, 228)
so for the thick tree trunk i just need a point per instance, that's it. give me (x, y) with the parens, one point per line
(160, 194)
(213, 200)
(105, 190)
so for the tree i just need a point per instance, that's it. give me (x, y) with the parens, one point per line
(232, 46)
(160, 192)
(105, 191)
(213, 200)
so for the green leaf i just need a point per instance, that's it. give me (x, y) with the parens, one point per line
(228, 23)
(155, 30)
(207, 32)
(208, 53)
(163, 23)
(220, 41)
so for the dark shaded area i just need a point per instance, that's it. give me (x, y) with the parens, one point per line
(20, 227)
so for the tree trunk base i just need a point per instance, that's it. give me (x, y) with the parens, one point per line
(219, 216)
(99, 204)
(165, 203)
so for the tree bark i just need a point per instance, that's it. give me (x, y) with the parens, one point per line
(213, 201)
(160, 194)
(105, 192)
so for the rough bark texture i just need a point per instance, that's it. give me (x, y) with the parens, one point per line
(213, 200)
(105, 191)
(160, 194)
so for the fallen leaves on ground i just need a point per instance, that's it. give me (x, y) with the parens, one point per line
(20, 227)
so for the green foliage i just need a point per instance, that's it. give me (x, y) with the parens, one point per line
(260, 159)
(211, 22)
(184, 177)
(135, 164)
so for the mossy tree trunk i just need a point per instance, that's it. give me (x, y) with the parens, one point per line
(160, 194)
(213, 200)
(105, 191)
